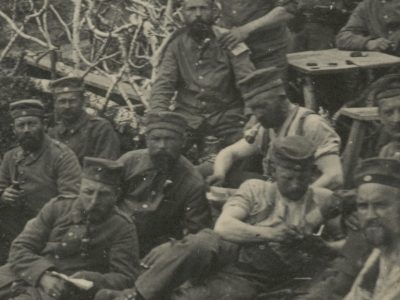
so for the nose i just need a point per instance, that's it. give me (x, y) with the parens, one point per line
(26, 128)
(371, 214)
(198, 12)
(93, 201)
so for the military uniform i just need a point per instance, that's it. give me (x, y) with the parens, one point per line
(268, 46)
(205, 77)
(163, 205)
(52, 170)
(89, 136)
(59, 239)
(370, 20)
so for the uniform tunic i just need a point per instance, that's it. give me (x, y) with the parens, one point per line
(204, 77)
(268, 46)
(89, 136)
(60, 239)
(163, 205)
(52, 170)
(371, 19)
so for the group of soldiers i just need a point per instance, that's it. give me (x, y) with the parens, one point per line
(137, 225)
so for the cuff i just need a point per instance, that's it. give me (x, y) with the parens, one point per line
(33, 274)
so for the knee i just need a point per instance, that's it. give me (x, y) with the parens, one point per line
(203, 244)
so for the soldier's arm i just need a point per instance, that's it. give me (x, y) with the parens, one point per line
(282, 13)
(123, 262)
(197, 213)
(25, 259)
(166, 81)
(232, 226)
(5, 176)
(107, 142)
(355, 34)
(68, 172)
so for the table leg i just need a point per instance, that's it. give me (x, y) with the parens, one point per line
(310, 100)
(351, 153)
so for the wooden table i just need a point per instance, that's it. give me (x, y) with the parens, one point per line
(333, 61)
(350, 156)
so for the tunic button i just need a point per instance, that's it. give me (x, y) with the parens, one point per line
(385, 17)
(64, 244)
(261, 247)
(71, 131)
(201, 77)
(200, 61)
(203, 103)
(56, 256)
(234, 12)
(145, 206)
(202, 90)
(70, 234)
(153, 193)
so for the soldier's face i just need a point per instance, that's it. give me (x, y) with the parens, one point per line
(97, 199)
(199, 16)
(389, 112)
(165, 147)
(293, 184)
(271, 113)
(29, 132)
(378, 208)
(69, 106)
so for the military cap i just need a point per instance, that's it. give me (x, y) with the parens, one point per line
(27, 107)
(293, 152)
(102, 170)
(261, 85)
(165, 120)
(66, 85)
(378, 170)
(386, 87)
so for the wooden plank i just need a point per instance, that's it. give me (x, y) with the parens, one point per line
(93, 80)
(361, 113)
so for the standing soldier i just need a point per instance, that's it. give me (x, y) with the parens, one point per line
(84, 134)
(39, 169)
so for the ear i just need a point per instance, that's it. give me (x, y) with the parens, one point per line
(216, 7)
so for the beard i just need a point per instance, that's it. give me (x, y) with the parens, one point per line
(376, 233)
(273, 120)
(163, 161)
(200, 30)
(31, 141)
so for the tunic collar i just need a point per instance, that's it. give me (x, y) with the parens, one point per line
(74, 127)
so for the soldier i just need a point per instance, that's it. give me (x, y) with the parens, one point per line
(84, 237)
(204, 76)
(84, 134)
(258, 243)
(161, 189)
(378, 207)
(39, 169)
(278, 117)
(373, 26)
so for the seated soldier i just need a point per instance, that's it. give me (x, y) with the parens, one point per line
(378, 206)
(39, 169)
(161, 189)
(86, 135)
(386, 95)
(373, 26)
(278, 117)
(83, 236)
(263, 238)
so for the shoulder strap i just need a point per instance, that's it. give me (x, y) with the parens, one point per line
(302, 118)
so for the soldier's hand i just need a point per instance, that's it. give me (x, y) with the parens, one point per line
(351, 221)
(52, 286)
(283, 233)
(215, 180)
(12, 196)
(380, 44)
(233, 37)
(154, 254)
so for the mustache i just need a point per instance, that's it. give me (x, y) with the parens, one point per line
(373, 223)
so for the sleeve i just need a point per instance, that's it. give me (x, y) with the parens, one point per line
(25, 259)
(5, 176)
(355, 34)
(291, 6)
(322, 134)
(166, 82)
(244, 197)
(197, 211)
(107, 143)
(123, 262)
(68, 174)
